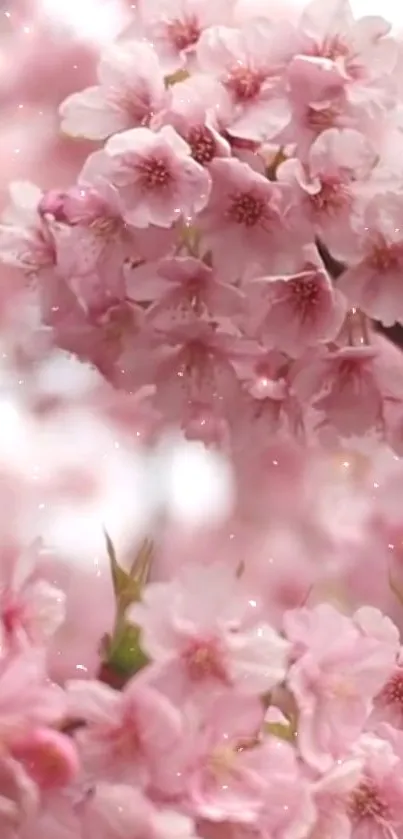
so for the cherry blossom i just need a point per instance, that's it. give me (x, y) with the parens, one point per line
(335, 680)
(201, 564)
(156, 179)
(31, 609)
(372, 280)
(297, 311)
(338, 162)
(212, 647)
(346, 389)
(248, 63)
(246, 219)
(26, 240)
(131, 92)
(175, 28)
(127, 734)
(198, 108)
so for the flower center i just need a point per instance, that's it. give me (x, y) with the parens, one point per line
(332, 47)
(392, 693)
(11, 614)
(385, 257)
(366, 802)
(333, 196)
(244, 83)
(203, 659)
(184, 33)
(305, 292)
(247, 209)
(154, 174)
(202, 144)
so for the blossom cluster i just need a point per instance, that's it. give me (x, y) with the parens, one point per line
(215, 272)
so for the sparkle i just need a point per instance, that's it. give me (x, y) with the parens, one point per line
(247, 208)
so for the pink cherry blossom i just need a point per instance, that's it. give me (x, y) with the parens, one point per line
(219, 768)
(248, 63)
(207, 261)
(389, 702)
(376, 803)
(26, 240)
(131, 92)
(246, 219)
(296, 311)
(337, 674)
(194, 366)
(92, 243)
(372, 280)
(27, 697)
(289, 809)
(332, 792)
(197, 109)
(121, 812)
(360, 48)
(127, 735)
(175, 27)
(191, 287)
(204, 639)
(346, 389)
(156, 179)
(31, 609)
(49, 758)
(338, 162)
(19, 799)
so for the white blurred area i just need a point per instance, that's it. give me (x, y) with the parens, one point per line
(94, 20)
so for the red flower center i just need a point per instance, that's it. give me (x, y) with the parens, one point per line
(203, 659)
(333, 196)
(184, 33)
(366, 802)
(247, 209)
(202, 144)
(392, 693)
(244, 83)
(154, 173)
(305, 292)
(386, 257)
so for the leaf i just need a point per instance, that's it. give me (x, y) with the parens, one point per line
(125, 655)
(174, 78)
(128, 586)
(283, 732)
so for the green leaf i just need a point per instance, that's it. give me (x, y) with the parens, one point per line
(284, 732)
(125, 655)
(128, 586)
